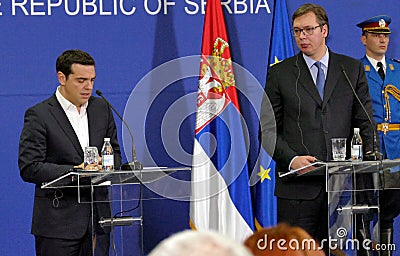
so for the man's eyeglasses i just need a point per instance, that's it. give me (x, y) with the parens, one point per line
(308, 31)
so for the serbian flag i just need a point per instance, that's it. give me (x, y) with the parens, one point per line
(220, 197)
(281, 47)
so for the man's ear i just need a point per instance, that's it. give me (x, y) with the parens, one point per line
(61, 78)
(363, 39)
(325, 30)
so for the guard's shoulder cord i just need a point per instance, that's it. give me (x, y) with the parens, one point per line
(390, 89)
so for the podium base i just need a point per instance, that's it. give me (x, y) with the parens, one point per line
(374, 156)
(118, 221)
(135, 165)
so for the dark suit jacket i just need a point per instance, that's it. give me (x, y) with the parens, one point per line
(50, 148)
(305, 124)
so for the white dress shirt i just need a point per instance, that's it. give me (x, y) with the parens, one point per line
(313, 69)
(78, 119)
(374, 63)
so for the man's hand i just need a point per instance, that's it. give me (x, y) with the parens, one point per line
(81, 166)
(301, 161)
(89, 167)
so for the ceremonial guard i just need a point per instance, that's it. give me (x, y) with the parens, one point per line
(383, 76)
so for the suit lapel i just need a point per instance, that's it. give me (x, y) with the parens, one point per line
(390, 72)
(371, 73)
(333, 74)
(306, 80)
(62, 120)
(91, 122)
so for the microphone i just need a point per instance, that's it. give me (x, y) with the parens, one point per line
(375, 155)
(135, 164)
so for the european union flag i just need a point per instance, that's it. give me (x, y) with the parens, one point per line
(281, 47)
(265, 201)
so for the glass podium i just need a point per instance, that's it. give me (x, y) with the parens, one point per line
(353, 202)
(117, 215)
(353, 197)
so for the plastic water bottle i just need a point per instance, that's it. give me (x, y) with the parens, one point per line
(356, 145)
(107, 155)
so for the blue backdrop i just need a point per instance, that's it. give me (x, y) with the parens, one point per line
(129, 39)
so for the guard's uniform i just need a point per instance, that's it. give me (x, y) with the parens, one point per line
(385, 95)
(386, 104)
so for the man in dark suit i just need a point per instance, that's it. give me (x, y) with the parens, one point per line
(52, 143)
(308, 116)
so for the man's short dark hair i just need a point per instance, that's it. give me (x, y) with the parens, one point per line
(319, 11)
(69, 57)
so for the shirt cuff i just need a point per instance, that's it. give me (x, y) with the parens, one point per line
(290, 164)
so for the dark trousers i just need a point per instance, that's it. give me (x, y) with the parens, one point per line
(311, 215)
(389, 206)
(46, 246)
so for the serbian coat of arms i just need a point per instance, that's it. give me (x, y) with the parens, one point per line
(216, 75)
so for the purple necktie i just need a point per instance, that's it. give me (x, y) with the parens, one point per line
(320, 82)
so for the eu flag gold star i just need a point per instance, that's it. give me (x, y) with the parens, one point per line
(264, 173)
(276, 62)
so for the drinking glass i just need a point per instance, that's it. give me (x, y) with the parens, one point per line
(339, 149)
(91, 158)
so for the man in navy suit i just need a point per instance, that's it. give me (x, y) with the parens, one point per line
(52, 143)
(383, 76)
(312, 102)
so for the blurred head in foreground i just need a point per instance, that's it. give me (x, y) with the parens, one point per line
(283, 240)
(199, 243)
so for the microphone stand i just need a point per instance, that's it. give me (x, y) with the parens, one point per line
(134, 164)
(375, 155)
(130, 166)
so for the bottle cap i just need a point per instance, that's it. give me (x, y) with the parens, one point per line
(106, 139)
(356, 130)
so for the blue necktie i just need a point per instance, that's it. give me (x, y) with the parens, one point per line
(320, 82)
